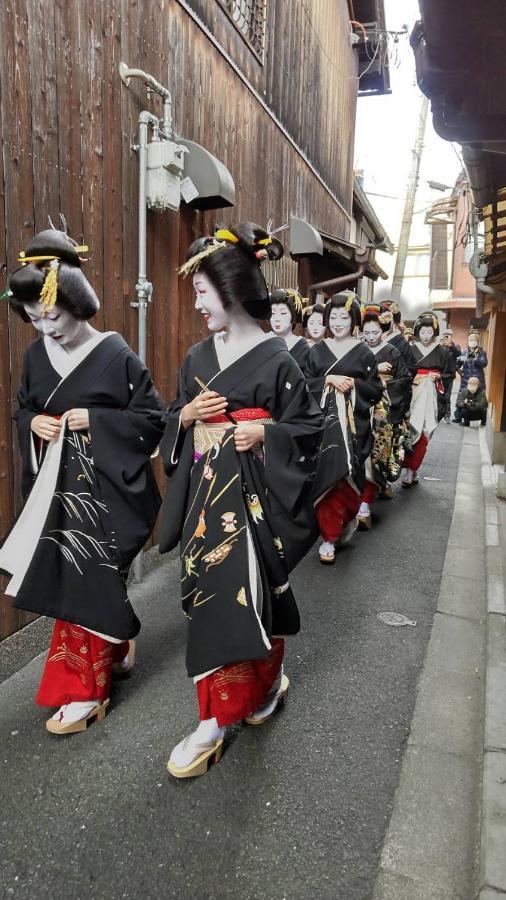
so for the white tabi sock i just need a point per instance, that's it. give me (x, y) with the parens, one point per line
(203, 738)
(74, 712)
(364, 511)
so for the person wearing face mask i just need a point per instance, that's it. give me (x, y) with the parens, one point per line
(238, 449)
(314, 324)
(472, 403)
(88, 420)
(471, 364)
(396, 333)
(435, 368)
(383, 467)
(287, 307)
(343, 376)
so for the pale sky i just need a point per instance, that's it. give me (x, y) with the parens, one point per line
(385, 133)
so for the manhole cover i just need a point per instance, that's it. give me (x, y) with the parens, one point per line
(393, 618)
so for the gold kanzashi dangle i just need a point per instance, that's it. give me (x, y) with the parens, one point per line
(192, 265)
(349, 303)
(223, 234)
(49, 290)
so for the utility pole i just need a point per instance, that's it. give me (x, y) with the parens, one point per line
(409, 204)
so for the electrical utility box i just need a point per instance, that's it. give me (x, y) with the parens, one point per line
(164, 173)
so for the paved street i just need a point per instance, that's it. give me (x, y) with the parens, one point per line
(298, 808)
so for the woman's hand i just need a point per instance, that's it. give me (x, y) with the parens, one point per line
(384, 368)
(340, 383)
(78, 419)
(247, 434)
(46, 427)
(205, 406)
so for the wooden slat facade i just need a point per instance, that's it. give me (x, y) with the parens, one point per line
(68, 125)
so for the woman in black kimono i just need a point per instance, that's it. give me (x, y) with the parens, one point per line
(384, 465)
(434, 369)
(314, 325)
(343, 376)
(395, 332)
(88, 420)
(287, 308)
(238, 446)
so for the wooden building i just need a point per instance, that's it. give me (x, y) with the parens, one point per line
(270, 89)
(468, 103)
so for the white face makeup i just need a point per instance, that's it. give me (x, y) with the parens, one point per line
(281, 319)
(373, 334)
(59, 324)
(426, 334)
(208, 303)
(340, 323)
(315, 326)
(473, 343)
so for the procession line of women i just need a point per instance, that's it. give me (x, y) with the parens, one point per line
(268, 443)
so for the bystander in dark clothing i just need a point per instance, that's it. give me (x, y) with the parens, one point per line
(455, 351)
(471, 364)
(472, 403)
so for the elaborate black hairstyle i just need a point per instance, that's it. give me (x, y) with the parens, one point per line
(377, 312)
(231, 260)
(426, 318)
(309, 310)
(350, 302)
(52, 275)
(292, 300)
(394, 308)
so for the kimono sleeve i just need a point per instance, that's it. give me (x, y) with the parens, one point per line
(124, 439)
(174, 434)
(399, 387)
(314, 374)
(370, 387)
(23, 419)
(291, 442)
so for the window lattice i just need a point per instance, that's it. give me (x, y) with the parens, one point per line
(248, 17)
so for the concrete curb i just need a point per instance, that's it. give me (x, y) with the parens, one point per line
(430, 850)
(493, 806)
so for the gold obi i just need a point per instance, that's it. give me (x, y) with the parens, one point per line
(207, 434)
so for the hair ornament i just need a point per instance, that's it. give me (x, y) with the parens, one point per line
(192, 265)
(6, 295)
(49, 290)
(223, 234)
(350, 301)
(385, 317)
(298, 301)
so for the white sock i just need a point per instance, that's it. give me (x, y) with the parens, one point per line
(203, 738)
(73, 712)
(326, 548)
(364, 511)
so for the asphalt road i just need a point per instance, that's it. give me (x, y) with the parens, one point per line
(296, 809)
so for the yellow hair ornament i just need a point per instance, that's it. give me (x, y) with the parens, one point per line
(223, 234)
(349, 303)
(298, 302)
(49, 290)
(24, 260)
(193, 264)
(264, 242)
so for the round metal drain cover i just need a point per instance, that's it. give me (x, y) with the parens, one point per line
(393, 618)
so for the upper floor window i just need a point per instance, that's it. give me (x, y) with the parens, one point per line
(248, 17)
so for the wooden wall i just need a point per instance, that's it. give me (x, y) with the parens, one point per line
(68, 124)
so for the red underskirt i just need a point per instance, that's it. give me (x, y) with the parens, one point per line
(370, 493)
(78, 666)
(415, 459)
(237, 690)
(337, 508)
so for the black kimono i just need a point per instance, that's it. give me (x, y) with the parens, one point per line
(404, 347)
(348, 439)
(239, 515)
(389, 415)
(92, 499)
(300, 352)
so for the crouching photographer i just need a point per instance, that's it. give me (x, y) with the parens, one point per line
(472, 403)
